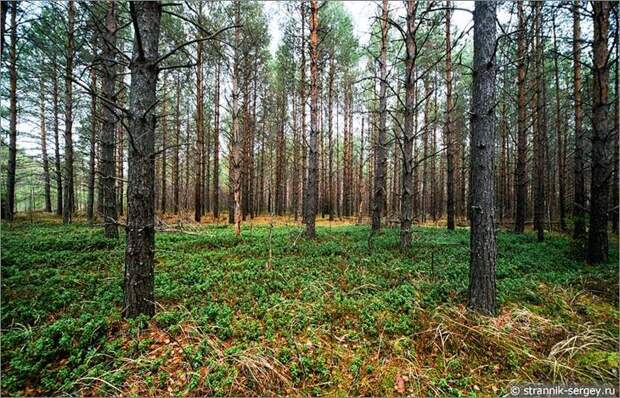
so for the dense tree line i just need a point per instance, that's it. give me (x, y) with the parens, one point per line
(144, 108)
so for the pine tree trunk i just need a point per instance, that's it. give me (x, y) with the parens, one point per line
(560, 137)
(68, 200)
(330, 138)
(139, 253)
(10, 181)
(448, 127)
(175, 159)
(57, 161)
(235, 156)
(406, 202)
(521, 169)
(539, 129)
(90, 202)
(381, 155)
(164, 144)
(216, 147)
(579, 216)
(313, 161)
(45, 159)
(598, 244)
(108, 127)
(199, 133)
(482, 296)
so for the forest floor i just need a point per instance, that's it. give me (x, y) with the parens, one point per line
(270, 313)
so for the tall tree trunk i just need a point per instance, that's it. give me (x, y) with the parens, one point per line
(521, 169)
(360, 178)
(579, 216)
(426, 150)
(448, 127)
(108, 128)
(199, 133)
(139, 271)
(90, 202)
(175, 160)
(57, 160)
(482, 296)
(45, 159)
(381, 156)
(302, 96)
(615, 200)
(598, 245)
(164, 150)
(560, 136)
(235, 156)
(406, 202)
(68, 205)
(313, 161)
(539, 129)
(330, 137)
(10, 181)
(216, 146)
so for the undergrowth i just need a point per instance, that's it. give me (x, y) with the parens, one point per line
(324, 317)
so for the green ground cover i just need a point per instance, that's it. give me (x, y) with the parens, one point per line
(324, 317)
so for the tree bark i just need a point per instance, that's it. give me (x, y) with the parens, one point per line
(598, 244)
(235, 155)
(57, 160)
(199, 133)
(540, 128)
(139, 272)
(45, 159)
(313, 161)
(90, 202)
(406, 202)
(108, 127)
(448, 128)
(381, 155)
(164, 151)
(175, 160)
(521, 169)
(68, 200)
(216, 146)
(12, 161)
(579, 216)
(560, 137)
(482, 296)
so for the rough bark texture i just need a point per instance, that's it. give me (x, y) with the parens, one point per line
(540, 128)
(90, 201)
(139, 272)
(10, 181)
(175, 160)
(216, 146)
(380, 149)
(482, 296)
(406, 203)
(579, 216)
(559, 128)
(199, 134)
(313, 160)
(598, 245)
(448, 127)
(45, 159)
(235, 156)
(164, 150)
(68, 200)
(57, 163)
(108, 125)
(521, 169)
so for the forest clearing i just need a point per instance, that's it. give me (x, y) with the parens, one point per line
(309, 198)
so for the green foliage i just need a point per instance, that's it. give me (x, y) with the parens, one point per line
(322, 310)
